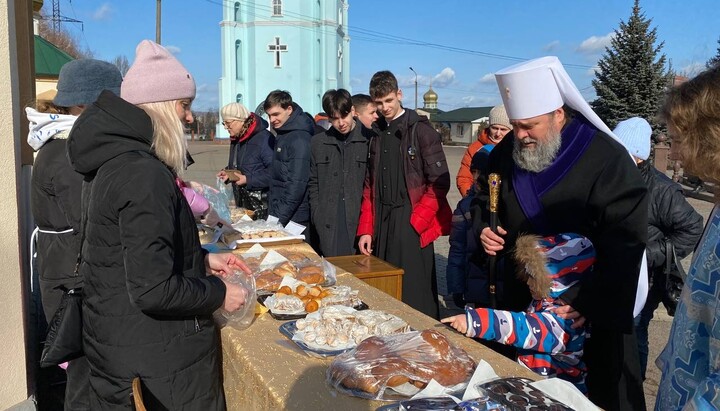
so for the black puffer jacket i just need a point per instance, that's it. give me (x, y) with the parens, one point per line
(291, 169)
(55, 201)
(670, 217)
(148, 302)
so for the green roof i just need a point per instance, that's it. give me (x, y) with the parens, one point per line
(462, 115)
(48, 58)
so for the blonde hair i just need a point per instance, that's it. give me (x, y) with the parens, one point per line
(168, 135)
(692, 112)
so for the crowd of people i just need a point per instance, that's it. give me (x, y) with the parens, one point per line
(565, 283)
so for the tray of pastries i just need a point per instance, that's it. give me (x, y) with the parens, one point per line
(336, 329)
(295, 299)
(271, 267)
(259, 231)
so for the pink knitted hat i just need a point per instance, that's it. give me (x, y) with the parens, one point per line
(155, 76)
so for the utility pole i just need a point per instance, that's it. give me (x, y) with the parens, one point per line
(57, 18)
(157, 22)
(411, 69)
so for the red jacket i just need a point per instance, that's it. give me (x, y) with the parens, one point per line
(464, 179)
(426, 176)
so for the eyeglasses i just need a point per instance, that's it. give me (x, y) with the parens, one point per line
(227, 123)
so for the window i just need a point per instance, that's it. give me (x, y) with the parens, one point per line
(277, 7)
(238, 98)
(238, 59)
(237, 11)
(461, 129)
(277, 48)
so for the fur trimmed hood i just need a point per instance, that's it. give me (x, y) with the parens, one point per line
(550, 265)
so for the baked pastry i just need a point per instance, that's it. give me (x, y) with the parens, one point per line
(236, 214)
(311, 274)
(267, 280)
(412, 358)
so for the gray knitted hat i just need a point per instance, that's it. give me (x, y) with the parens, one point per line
(82, 81)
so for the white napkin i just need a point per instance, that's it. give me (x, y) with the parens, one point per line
(272, 258)
(294, 228)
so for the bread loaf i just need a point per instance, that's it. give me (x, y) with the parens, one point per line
(410, 358)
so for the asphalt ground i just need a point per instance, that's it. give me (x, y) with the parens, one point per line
(210, 157)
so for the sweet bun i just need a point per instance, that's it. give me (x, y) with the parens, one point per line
(312, 306)
(295, 257)
(283, 272)
(302, 290)
(311, 275)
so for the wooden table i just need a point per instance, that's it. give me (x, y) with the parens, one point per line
(374, 271)
(263, 370)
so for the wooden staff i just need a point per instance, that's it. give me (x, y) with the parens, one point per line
(494, 183)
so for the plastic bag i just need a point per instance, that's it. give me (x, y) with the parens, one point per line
(444, 404)
(242, 318)
(399, 366)
(517, 394)
(223, 190)
(217, 200)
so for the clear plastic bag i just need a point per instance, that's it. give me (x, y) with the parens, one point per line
(399, 366)
(218, 201)
(242, 318)
(444, 404)
(224, 190)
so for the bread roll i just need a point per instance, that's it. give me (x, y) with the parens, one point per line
(312, 306)
(284, 290)
(302, 290)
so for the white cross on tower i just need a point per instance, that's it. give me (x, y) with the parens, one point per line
(277, 48)
(340, 58)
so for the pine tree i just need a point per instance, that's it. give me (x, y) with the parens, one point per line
(716, 58)
(631, 78)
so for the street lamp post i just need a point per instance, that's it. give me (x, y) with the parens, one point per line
(416, 77)
(158, 20)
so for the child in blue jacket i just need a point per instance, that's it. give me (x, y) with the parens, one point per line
(466, 277)
(547, 344)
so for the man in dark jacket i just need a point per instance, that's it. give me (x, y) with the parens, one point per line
(337, 173)
(404, 207)
(672, 222)
(563, 170)
(288, 195)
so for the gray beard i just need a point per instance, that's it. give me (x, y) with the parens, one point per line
(541, 157)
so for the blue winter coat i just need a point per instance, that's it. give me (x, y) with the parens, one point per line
(288, 197)
(254, 157)
(465, 275)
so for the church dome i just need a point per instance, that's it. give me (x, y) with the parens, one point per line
(430, 99)
(430, 96)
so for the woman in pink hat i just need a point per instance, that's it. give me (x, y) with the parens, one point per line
(148, 298)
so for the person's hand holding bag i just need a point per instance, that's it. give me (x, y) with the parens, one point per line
(235, 296)
(222, 264)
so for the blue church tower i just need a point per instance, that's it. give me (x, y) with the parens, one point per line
(301, 46)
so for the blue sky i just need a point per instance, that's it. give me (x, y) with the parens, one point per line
(489, 36)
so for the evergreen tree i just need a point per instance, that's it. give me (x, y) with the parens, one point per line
(716, 58)
(631, 78)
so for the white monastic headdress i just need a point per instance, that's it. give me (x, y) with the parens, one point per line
(536, 87)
